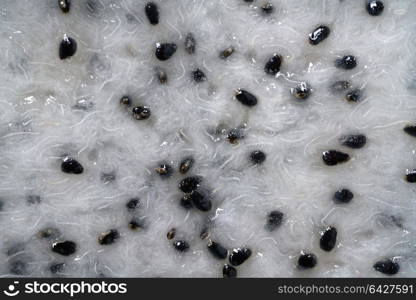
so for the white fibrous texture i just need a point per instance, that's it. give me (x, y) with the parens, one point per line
(53, 109)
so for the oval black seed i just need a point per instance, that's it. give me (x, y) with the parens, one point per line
(132, 204)
(165, 51)
(272, 66)
(71, 166)
(141, 112)
(181, 246)
(239, 256)
(334, 157)
(186, 202)
(201, 201)
(64, 248)
(229, 271)
(152, 13)
(57, 268)
(109, 237)
(347, 62)
(164, 170)
(171, 234)
(126, 101)
(135, 224)
(226, 52)
(343, 196)
(387, 266)
(190, 43)
(375, 7)
(257, 157)
(198, 75)
(246, 98)
(328, 239)
(267, 8)
(274, 220)
(235, 134)
(307, 261)
(67, 48)
(189, 184)
(353, 96)
(410, 130)
(185, 165)
(301, 91)
(411, 176)
(340, 86)
(64, 5)
(355, 141)
(217, 250)
(319, 34)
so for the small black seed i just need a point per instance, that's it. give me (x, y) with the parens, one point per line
(226, 52)
(164, 51)
(109, 237)
(201, 201)
(198, 75)
(319, 34)
(49, 233)
(411, 176)
(181, 246)
(410, 129)
(204, 234)
(307, 260)
(141, 112)
(152, 13)
(190, 43)
(257, 157)
(33, 199)
(246, 98)
(229, 271)
(162, 76)
(135, 224)
(64, 5)
(353, 96)
(387, 266)
(185, 165)
(355, 141)
(267, 8)
(132, 204)
(126, 101)
(234, 135)
(274, 220)
(334, 157)
(343, 196)
(164, 170)
(189, 184)
(347, 62)
(64, 248)
(328, 239)
(217, 250)
(239, 256)
(375, 7)
(301, 91)
(171, 234)
(57, 268)
(272, 66)
(71, 166)
(340, 86)
(67, 48)
(186, 202)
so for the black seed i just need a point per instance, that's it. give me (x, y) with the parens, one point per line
(57, 268)
(125, 100)
(190, 43)
(348, 62)
(301, 91)
(49, 233)
(257, 157)
(71, 166)
(186, 202)
(226, 52)
(109, 237)
(189, 184)
(132, 204)
(272, 66)
(248, 1)
(328, 239)
(239, 255)
(171, 234)
(108, 177)
(307, 260)
(387, 266)
(141, 112)
(353, 96)
(274, 220)
(198, 75)
(18, 267)
(246, 98)
(375, 7)
(204, 234)
(67, 48)
(162, 76)
(340, 86)
(201, 201)
(185, 165)
(355, 141)
(343, 196)
(319, 34)
(64, 248)
(164, 51)
(181, 246)
(33, 199)
(135, 224)
(333, 157)
(411, 176)
(267, 8)
(164, 170)
(217, 250)
(152, 13)
(234, 135)
(410, 129)
(64, 5)
(229, 271)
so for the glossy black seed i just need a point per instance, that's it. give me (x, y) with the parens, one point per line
(301, 91)
(67, 48)
(411, 176)
(152, 13)
(239, 256)
(57, 268)
(224, 54)
(109, 237)
(132, 204)
(347, 62)
(234, 135)
(71, 166)
(410, 130)
(328, 239)
(33, 199)
(141, 112)
(186, 202)
(353, 96)
(181, 246)
(171, 234)
(343, 196)
(267, 8)
(229, 271)
(319, 34)
(164, 170)
(64, 248)
(257, 157)
(164, 51)
(161, 76)
(198, 75)
(387, 266)
(272, 66)
(125, 100)
(135, 224)
(355, 141)
(200, 201)
(307, 261)
(375, 7)
(217, 250)
(64, 5)
(334, 157)
(246, 98)
(274, 220)
(340, 86)
(186, 164)
(189, 184)
(190, 43)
